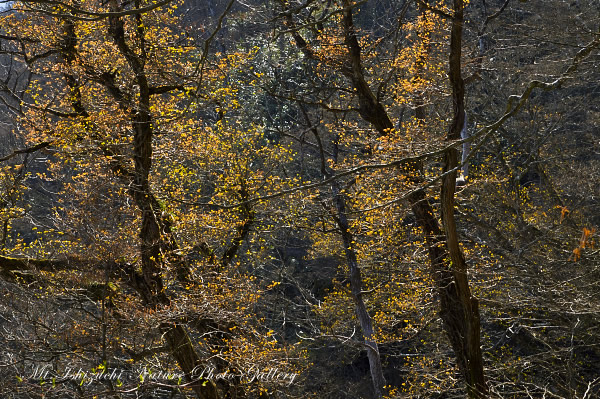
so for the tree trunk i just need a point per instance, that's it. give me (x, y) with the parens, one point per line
(461, 315)
(356, 289)
(150, 285)
(356, 285)
(458, 309)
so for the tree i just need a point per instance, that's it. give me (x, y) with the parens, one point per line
(115, 95)
(243, 186)
(458, 308)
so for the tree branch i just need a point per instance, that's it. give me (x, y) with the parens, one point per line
(27, 150)
(77, 13)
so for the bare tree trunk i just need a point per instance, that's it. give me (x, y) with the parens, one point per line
(356, 290)
(462, 314)
(356, 285)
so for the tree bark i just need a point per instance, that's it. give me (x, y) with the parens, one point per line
(461, 315)
(151, 286)
(458, 309)
(370, 109)
(356, 285)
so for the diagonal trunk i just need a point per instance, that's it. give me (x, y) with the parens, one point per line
(356, 285)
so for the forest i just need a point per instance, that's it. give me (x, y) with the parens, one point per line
(333, 199)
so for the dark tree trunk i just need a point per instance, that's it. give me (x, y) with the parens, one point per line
(461, 313)
(370, 109)
(150, 285)
(458, 309)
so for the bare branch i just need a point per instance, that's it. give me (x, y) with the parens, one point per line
(85, 15)
(27, 150)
